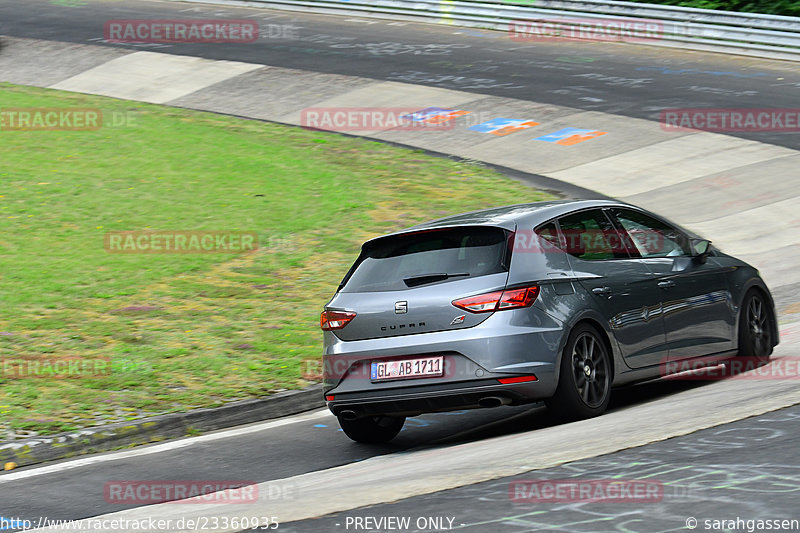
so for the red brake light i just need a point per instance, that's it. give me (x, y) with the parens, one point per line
(520, 379)
(330, 320)
(482, 303)
(523, 297)
(499, 300)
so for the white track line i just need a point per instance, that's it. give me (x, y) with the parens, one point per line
(165, 447)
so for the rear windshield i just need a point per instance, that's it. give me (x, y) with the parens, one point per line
(425, 258)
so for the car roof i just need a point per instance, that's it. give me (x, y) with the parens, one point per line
(509, 216)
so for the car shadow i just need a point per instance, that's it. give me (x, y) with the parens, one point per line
(460, 427)
(470, 426)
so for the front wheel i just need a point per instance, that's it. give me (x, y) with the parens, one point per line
(584, 383)
(372, 429)
(755, 327)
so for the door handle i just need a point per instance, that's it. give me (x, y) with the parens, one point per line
(666, 284)
(600, 291)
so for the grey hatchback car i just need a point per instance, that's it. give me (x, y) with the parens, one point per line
(555, 301)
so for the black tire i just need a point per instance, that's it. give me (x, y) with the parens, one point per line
(756, 326)
(373, 429)
(584, 382)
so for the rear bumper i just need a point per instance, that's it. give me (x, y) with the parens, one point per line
(507, 344)
(413, 401)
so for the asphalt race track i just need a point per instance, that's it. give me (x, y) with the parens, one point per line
(731, 449)
(708, 475)
(635, 81)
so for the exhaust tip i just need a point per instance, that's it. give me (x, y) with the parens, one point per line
(348, 414)
(493, 401)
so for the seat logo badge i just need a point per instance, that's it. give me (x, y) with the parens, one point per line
(458, 320)
(401, 307)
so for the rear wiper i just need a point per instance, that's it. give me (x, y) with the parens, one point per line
(422, 279)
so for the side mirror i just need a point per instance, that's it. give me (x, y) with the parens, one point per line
(701, 248)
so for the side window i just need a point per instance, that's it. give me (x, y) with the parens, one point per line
(651, 237)
(589, 235)
(549, 233)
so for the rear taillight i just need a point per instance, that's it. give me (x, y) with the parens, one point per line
(499, 300)
(520, 379)
(330, 320)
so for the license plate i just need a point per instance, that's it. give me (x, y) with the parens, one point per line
(420, 367)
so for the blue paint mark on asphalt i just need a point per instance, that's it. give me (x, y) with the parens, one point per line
(10, 523)
(425, 114)
(570, 136)
(320, 426)
(504, 126)
(495, 124)
(562, 134)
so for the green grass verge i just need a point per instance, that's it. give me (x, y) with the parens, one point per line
(189, 330)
